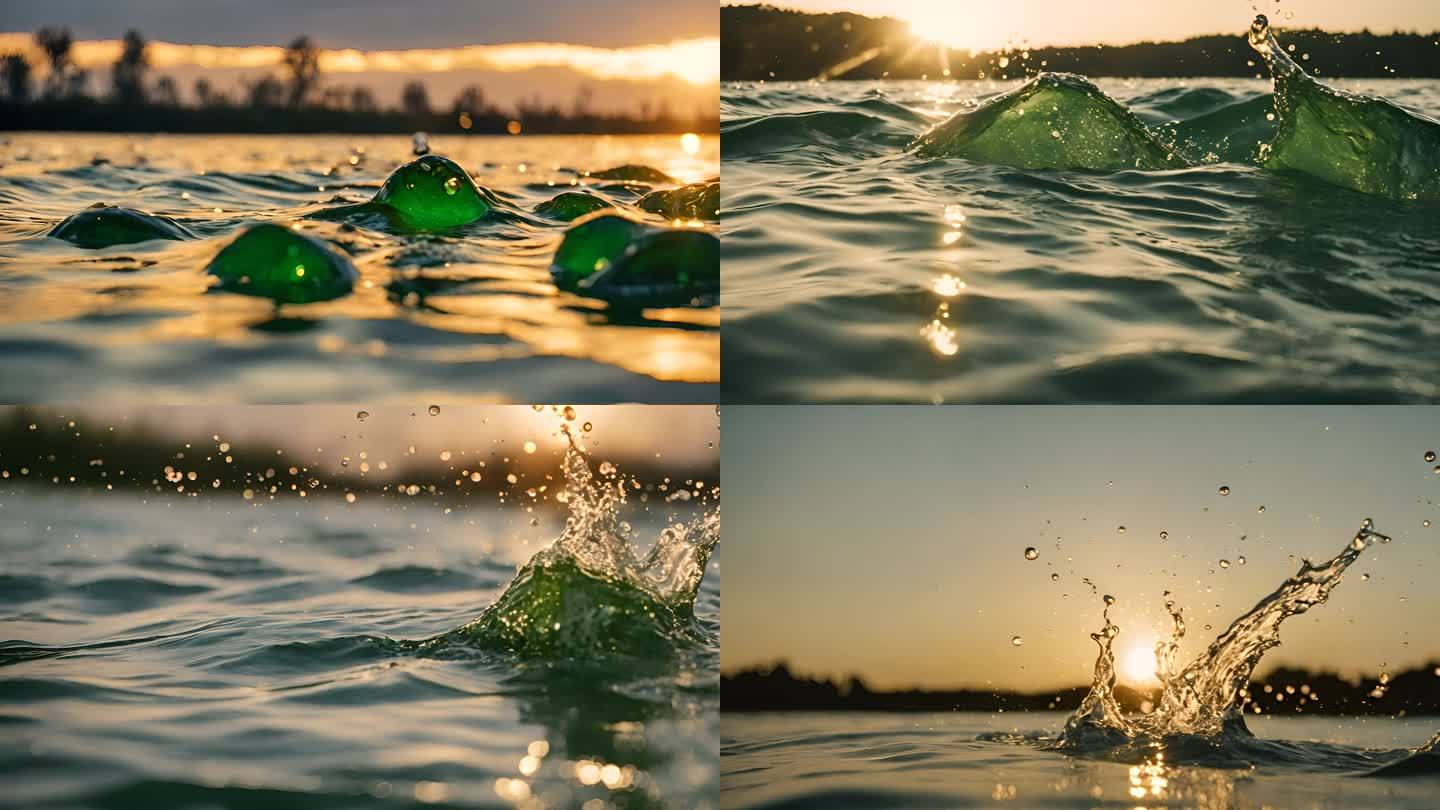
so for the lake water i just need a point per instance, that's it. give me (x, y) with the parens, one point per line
(858, 271)
(175, 651)
(875, 760)
(469, 312)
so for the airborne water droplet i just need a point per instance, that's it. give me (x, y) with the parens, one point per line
(1109, 600)
(1121, 530)
(1224, 490)
(363, 415)
(1164, 535)
(1016, 641)
(1054, 577)
(1224, 563)
(1429, 455)
(1031, 553)
(434, 410)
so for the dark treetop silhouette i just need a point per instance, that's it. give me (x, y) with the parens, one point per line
(301, 102)
(767, 43)
(1284, 690)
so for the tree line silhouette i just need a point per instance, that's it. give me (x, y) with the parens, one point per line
(1285, 690)
(761, 42)
(296, 102)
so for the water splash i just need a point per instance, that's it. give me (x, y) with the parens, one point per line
(589, 593)
(1360, 142)
(1206, 698)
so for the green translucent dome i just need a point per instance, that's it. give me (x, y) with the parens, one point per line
(632, 173)
(695, 201)
(620, 260)
(272, 261)
(433, 192)
(569, 205)
(103, 226)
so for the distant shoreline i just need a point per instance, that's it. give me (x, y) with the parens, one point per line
(1414, 692)
(765, 43)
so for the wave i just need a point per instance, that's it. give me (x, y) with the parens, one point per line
(589, 593)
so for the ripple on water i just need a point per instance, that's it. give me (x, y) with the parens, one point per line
(1219, 282)
(468, 300)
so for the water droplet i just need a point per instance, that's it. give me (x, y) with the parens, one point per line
(1031, 553)
(1224, 563)
(444, 455)
(1364, 577)
(1164, 535)
(569, 413)
(1054, 577)
(587, 427)
(1224, 490)
(1121, 530)
(1016, 641)
(1261, 510)
(1426, 524)
(1429, 455)
(1240, 559)
(363, 415)
(1055, 133)
(529, 447)
(1109, 600)
(434, 410)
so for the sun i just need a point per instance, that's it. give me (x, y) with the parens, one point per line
(1136, 666)
(966, 27)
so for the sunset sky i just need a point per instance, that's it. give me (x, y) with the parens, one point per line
(624, 52)
(889, 541)
(977, 24)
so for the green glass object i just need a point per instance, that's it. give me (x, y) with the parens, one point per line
(695, 201)
(555, 608)
(1360, 142)
(569, 205)
(631, 263)
(103, 226)
(272, 261)
(431, 193)
(632, 173)
(1053, 121)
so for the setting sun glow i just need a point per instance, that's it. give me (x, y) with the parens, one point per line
(1136, 665)
(967, 27)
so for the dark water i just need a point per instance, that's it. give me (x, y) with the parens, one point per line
(469, 311)
(858, 271)
(959, 759)
(179, 652)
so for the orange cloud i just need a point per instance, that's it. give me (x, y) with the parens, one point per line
(696, 61)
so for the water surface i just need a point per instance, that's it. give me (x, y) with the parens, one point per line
(469, 311)
(858, 270)
(171, 651)
(871, 760)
